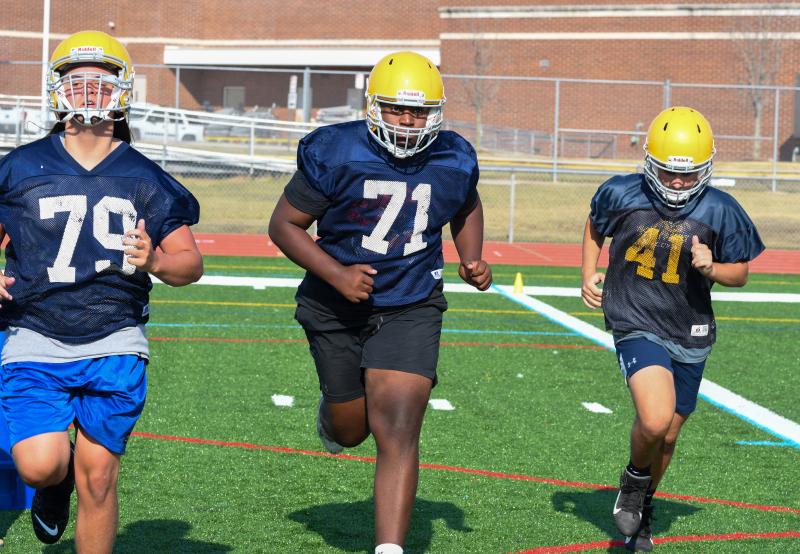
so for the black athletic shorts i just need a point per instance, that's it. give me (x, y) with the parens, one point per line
(403, 338)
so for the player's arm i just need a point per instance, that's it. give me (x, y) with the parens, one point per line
(5, 282)
(733, 274)
(287, 229)
(590, 253)
(467, 231)
(176, 262)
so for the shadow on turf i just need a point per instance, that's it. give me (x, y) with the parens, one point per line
(7, 519)
(349, 526)
(595, 507)
(157, 535)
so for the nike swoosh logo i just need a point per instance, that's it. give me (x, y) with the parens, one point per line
(52, 531)
(617, 510)
(628, 539)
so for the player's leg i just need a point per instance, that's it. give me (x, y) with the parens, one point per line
(687, 378)
(342, 413)
(405, 345)
(647, 370)
(396, 403)
(35, 403)
(112, 399)
(653, 393)
(96, 472)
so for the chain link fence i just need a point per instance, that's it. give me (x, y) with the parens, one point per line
(545, 145)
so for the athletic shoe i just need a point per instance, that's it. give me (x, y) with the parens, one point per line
(642, 540)
(630, 502)
(330, 445)
(50, 507)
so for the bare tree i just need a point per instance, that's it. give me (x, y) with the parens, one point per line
(759, 48)
(479, 90)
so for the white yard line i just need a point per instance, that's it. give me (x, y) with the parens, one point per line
(265, 282)
(721, 397)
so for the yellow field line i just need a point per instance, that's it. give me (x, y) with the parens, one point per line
(460, 310)
(269, 305)
(222, 303)
(283, 267)
(720, 318)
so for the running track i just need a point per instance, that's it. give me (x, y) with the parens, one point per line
(518, 253)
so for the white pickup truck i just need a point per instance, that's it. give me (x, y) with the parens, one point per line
(147, 123)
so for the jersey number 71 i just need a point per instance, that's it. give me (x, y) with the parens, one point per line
(376, 240)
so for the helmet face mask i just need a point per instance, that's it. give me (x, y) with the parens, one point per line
(679, 141)
(90, 79)
(411, 80)
(403, 141)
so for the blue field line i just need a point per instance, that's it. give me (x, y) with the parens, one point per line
(764, 443)
(268, 326)
(788, 441)
(606, 340)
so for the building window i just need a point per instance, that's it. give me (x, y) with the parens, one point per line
(233, 97)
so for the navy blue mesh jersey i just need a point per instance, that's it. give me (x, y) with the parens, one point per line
(650, 284)
(383, 211)
(66, 226)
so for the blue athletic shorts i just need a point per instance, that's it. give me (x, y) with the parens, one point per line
(637, 353)
(104, 396)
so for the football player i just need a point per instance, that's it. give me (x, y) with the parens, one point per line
(371, 302)
(673, 238)
(84, 213)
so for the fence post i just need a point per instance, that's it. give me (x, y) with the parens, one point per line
(555, 131)
(775, 140)
(512, 201)
(667, 94)
(18, 127)
(165, 122)
(307, 95)
(252, 145)
(178, 87)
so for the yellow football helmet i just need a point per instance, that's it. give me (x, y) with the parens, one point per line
(90, 48)
(405, 79)
(679, 140)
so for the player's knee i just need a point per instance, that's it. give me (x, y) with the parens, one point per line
(393, 432)
(42, 473)
(655, 427)
(351, 437)
(97, 486)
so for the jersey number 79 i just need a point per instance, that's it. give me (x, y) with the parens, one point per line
(61, 271)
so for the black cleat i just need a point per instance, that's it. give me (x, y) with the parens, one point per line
(630, 502)
(642, 540)
(50, 507)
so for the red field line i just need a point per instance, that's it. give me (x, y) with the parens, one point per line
(494, 252)
(456, 469)
(608, 543)
(497, 344)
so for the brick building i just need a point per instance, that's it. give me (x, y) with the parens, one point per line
(657, 48)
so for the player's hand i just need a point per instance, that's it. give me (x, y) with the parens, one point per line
(5, 282)
(591, 294)
(702, 260)
(139, 251)
(478, 274)
(354, 282)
